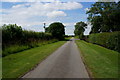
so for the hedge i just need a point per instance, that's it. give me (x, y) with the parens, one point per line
(15, 39)
(13, 34)
(110, 40)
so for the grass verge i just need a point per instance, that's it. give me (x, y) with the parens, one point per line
(101, 62)
(12, 49)
(15, 65)
(67, 38)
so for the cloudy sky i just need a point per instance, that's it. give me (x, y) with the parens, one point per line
(31, 15)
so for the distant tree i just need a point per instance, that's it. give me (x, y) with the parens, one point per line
(104, 17)
(57, 30)
(79, 29)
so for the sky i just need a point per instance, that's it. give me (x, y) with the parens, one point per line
(31, 15)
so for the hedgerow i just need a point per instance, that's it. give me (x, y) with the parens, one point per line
(109, 40)
(13, 35)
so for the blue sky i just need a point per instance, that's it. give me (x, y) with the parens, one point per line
(32, 15)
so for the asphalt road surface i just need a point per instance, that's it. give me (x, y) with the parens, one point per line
(63, 63)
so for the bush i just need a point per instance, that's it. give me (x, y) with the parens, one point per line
(15, 39)
(109, 40)
(13, 34)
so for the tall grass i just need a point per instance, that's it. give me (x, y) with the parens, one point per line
(18, 48)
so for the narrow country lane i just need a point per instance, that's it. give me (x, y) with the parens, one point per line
(63, 63)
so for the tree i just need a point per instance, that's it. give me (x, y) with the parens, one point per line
(57, 30)
(11, 31)
(104, 17)
(79, 29)
(97, 21)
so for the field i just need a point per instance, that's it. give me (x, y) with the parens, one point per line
(101, 62)
(15, 65)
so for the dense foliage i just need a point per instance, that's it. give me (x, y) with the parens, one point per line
(109, 40)
(104, 17)
(57, 30)
(17, 37)
(79, 29)
(12, 34)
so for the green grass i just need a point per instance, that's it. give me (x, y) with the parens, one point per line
(76, 37)
(0, 68)
(18, 48)
(14, 49)
(101, 62)
(15, 65)
(67, 38)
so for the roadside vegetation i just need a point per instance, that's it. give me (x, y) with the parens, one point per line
(107, 39)
(15, 39)
(105, 33)
(22, 49)
(79, 29)
(15, 65)
(105, 30)
(101, 62)
(12, 49)
(104, 18)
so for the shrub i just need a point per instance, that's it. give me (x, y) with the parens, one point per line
(109, 40)
(15, 39)
(13, 34)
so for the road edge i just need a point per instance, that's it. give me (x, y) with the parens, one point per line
(39, 63)
(83, 60)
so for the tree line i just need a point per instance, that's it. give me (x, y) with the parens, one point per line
(13, 34)
(105, 25)
(103, 16)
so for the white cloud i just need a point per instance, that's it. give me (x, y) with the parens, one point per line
(58, 0)
(28, 0)
(65, 6)
(22, 12)
(56, 13)
(36, 13)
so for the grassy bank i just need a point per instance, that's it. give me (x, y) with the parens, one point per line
(15, 48)
(101, 62)
(15, 65)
